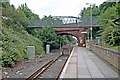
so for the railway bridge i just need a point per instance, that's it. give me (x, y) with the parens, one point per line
(98, 62)
(66, 25)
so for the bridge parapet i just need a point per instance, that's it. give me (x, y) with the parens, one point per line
(109, 55)
(64, 21)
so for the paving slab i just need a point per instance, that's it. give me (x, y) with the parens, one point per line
(104, 68)
(85, 64)
(70, 76)
(73, 60)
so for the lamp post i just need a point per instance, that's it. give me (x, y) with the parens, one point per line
(91, 22)
(90, 18)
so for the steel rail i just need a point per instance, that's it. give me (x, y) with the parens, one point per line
(42, 69)
(58, 76)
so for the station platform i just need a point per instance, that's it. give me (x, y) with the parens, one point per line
(82, 63)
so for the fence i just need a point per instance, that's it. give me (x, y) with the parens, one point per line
(109, 55)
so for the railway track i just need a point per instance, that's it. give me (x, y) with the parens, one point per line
(57, 77)
(40, 72)
(42, 69)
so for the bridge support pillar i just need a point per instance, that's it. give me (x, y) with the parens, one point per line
(79, 44)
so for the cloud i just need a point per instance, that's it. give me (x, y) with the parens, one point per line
(56, 7)
(67, 8)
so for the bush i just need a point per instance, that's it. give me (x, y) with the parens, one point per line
(14, 45)
(48, 36)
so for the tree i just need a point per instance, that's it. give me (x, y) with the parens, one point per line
(106, 12)
(48, 36)
(28, 13)
(110, 31)
(105, 5)
(63, 40)
(14, 37)
(86, 17)
(13, 16)
(85, 13)
(70, 38)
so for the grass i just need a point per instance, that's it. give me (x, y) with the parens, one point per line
(115, 47)
(105, 45)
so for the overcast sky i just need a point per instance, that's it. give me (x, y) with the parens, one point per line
(56, 7)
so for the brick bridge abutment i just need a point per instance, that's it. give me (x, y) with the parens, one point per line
(76, 32)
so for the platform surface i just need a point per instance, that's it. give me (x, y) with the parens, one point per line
(85, 64)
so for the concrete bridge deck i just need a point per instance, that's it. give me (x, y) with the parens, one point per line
(82, 63)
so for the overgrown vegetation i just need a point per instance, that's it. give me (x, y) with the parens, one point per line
(14, 36)
(15, 43)
(48, 36)
(105, 14)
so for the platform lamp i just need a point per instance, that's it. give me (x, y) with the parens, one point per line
(91, 4)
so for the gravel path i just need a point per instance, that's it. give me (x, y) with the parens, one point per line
(25, 68)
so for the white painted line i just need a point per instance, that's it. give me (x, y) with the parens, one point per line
(66, 65)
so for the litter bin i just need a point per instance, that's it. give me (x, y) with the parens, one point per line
(31, 52)
(47, 49)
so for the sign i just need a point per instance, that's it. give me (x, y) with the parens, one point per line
(84, 32)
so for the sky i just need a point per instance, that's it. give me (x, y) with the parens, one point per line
(56, 7)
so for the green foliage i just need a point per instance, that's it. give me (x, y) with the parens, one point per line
(86, 17)
(70, 38)
(28, 13)
(47, 18)
(110, 31)
(8, 59)
(13, 16)
(95, 11)
(14, 37)
(115, 47)
(15, 43)
(86, 12)
(63, 39)
(111, 34)
(118, 8)
(48, 36)
(105, 5)
(106, 12)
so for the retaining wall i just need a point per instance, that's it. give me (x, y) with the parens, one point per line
(109, 55)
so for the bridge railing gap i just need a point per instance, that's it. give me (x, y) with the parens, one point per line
(109, 55)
